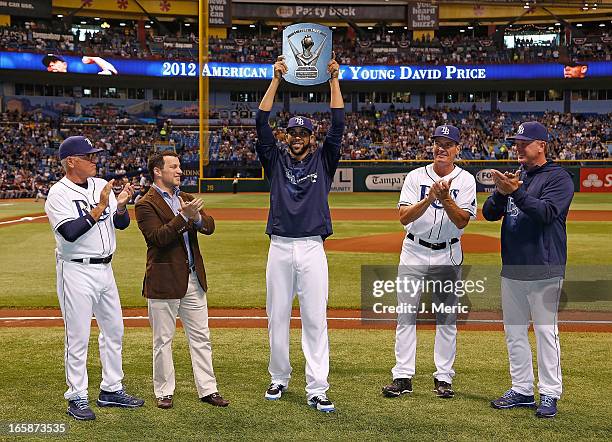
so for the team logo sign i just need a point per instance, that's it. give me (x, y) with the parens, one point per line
(307, 48)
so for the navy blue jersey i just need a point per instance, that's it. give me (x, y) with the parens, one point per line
(533, 235)
(299, 189)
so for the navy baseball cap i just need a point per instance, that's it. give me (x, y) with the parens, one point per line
(530, 131)
(448, 131)
(50, 58)
(74, 146)
(300, 122)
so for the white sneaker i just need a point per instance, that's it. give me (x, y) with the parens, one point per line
(275, 391)
(321, 403)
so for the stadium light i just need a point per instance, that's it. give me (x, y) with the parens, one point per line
(251, 26)
(59, 16)
(557, 24)
(461, 30)
(147, 26)
(97, 18)
(234, 27)
(121, 24)
(405, 28)
(601, 25)
(370, 28)
(83, 22)
(470, 27)
(187, 24)
(579, 25)
(276, 29)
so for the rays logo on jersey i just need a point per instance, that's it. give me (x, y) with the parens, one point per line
(436, 204)
(511, 209)
(84, 208)
(293, 180)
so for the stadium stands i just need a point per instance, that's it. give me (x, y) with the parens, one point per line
(28, 155)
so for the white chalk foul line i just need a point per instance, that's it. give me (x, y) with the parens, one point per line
(23, 219)
(247, 318)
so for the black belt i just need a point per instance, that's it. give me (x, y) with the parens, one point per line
(433, 245)
(104, 260)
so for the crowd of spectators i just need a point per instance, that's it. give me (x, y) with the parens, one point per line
(375, 46)
(29, 163)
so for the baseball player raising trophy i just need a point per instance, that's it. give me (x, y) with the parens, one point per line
(436, 203)
(84, 212)
(299, 220)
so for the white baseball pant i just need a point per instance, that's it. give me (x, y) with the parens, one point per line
(298, 266)
(83, 290)
(540, 299)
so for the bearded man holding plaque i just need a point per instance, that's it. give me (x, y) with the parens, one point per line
(300, 175)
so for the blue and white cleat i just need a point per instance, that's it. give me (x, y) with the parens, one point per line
(321, 403)
(118, 399)
(548, 406)
(79, 409)
(275, 391)
(511, 399)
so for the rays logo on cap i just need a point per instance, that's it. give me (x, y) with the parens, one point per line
(445, 130)
(307, 48)
(89, 142)
(521, 129)
(299, 121)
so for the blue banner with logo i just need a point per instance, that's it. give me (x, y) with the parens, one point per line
(57, 64)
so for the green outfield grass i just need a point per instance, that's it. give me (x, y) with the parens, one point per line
(33, 384)
(235, 258)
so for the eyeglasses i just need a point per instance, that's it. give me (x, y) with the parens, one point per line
(91, 157)
(302, 133)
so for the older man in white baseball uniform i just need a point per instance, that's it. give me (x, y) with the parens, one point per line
(436, 203)
(84, 212)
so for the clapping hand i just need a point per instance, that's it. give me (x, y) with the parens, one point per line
(191, 209)
(125, 196)
(507, 182)
(441, 189)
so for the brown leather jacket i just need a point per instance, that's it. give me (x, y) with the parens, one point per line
(167, 273)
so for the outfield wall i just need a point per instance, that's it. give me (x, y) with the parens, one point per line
(389, 177)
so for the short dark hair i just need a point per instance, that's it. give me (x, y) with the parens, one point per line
(157, 160)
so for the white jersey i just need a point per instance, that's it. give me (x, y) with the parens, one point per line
(68, 201)
(434, 225)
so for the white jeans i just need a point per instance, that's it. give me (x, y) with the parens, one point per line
(540, 300)
(298, 266)
(193, 311)
(83, 290)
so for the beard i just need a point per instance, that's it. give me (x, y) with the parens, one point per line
(297, 149)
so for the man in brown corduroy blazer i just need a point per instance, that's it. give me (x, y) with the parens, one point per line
(175, 279)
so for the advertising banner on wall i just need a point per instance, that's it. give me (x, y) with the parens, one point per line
(26, 8)
(343, 180)
(596, 179)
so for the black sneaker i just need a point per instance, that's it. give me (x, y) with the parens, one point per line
(118, 399)
(398, 387)
(443, 389)
(79, 409)
(275, 391)
(322, 403)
